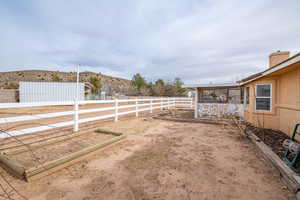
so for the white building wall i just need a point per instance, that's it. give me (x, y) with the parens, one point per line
(218, 109)
(50, 91)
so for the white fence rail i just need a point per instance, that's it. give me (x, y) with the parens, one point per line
(134, 106)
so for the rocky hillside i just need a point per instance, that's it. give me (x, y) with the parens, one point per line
(11, 79)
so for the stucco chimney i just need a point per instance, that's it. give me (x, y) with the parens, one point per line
(277, 57)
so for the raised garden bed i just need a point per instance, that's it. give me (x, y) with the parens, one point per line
(273, 139)
(28, 162)
(269, 142)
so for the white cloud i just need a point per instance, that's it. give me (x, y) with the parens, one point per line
(197, 40)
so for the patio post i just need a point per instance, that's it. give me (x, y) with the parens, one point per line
(245, 97)
(196, 104)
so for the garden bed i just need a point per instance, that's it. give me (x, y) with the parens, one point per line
(32, 161)
(52, 152)
(273, 139)
(269, 144)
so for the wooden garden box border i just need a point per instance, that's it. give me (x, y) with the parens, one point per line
(20, 171)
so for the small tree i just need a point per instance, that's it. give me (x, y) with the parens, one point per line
(158, 88)
(145, 91)
(96, 82)
(12, 86)
(159, 81)
(138, 81)
(170, 90)
(56, 78)
(178, 85)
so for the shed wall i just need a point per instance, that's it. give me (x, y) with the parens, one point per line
(50, 91)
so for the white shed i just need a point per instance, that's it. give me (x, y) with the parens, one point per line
(49, 91)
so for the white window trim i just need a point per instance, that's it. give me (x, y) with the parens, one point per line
(271, 97)
(245, 96)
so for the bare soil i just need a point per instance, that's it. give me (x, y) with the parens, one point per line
(164, 160)
(179, 113)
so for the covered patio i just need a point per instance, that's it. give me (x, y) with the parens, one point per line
(218, 99)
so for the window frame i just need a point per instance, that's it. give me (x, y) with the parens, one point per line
(247, 96)
(270, 97)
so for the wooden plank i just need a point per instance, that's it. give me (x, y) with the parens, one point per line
(12, 166)
(99, 130)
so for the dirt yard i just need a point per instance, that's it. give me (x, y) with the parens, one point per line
(164, 160)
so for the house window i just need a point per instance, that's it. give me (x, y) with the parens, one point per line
(263, 97)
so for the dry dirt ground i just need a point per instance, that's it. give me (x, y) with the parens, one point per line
(164, 160)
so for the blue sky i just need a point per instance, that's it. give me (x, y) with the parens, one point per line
(200, 41)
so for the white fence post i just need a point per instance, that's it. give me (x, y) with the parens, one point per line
(151, 111)
(174, 102)
(114, 106)
(136, 108)
(116, 110)
(191, 102)
(75, 116)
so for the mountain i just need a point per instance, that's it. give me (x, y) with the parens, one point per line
(11, 79)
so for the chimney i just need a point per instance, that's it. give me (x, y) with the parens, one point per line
(278, 57)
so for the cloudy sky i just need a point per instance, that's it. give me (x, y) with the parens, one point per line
(200, 41)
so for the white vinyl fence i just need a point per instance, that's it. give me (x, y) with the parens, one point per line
(132, 106)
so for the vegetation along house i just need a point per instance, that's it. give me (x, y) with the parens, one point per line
(269, 99)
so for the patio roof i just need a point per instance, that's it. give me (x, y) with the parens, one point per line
(218, 85)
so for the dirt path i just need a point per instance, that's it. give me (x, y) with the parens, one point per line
(167, 160)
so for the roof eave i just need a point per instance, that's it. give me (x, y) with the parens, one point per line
(280, 66)
(210, 86)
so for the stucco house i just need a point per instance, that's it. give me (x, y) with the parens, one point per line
(269, 99)
(272, 97)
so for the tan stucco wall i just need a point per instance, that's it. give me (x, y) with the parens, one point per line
(285, 102)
